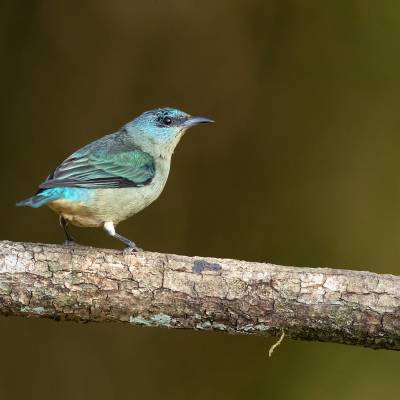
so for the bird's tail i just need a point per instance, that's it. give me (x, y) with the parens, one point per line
(39, 199)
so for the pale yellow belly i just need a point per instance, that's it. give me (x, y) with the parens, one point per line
(107, 205)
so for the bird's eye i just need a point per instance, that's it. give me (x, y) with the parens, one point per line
(167, 120)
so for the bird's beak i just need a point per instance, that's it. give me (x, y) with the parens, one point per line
(196, 120)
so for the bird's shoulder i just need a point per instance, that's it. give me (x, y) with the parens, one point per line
(114, 143)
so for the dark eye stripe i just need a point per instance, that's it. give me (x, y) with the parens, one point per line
(164, 120)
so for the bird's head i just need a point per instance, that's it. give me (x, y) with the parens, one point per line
(162, 128)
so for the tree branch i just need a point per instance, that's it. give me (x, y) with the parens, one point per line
(88, 284)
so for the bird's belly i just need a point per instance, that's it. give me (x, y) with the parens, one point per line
(117, 205)
(113, 205)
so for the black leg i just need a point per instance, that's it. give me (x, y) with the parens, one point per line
(130, 245)
(69, 239)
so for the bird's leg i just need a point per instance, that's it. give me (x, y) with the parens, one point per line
(69, 239)
(130, 246)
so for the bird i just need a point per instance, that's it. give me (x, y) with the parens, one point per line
(116, 176)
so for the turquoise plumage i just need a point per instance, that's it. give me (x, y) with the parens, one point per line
(113, 161)
(116, 176)
(44, 197)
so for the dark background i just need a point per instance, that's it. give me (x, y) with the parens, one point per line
(301, 168)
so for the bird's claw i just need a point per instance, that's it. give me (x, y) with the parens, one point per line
(131, 249)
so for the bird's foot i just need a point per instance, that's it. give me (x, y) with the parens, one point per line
(70, 243)
(131, 249)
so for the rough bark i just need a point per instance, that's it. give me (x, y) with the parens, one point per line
(89, 284)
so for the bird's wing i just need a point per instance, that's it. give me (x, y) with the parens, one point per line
(104, 164)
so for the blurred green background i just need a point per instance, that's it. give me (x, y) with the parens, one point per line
(300, 169)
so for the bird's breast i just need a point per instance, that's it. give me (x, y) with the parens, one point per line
(122, 203)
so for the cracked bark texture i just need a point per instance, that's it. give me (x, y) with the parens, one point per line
(151, 289)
